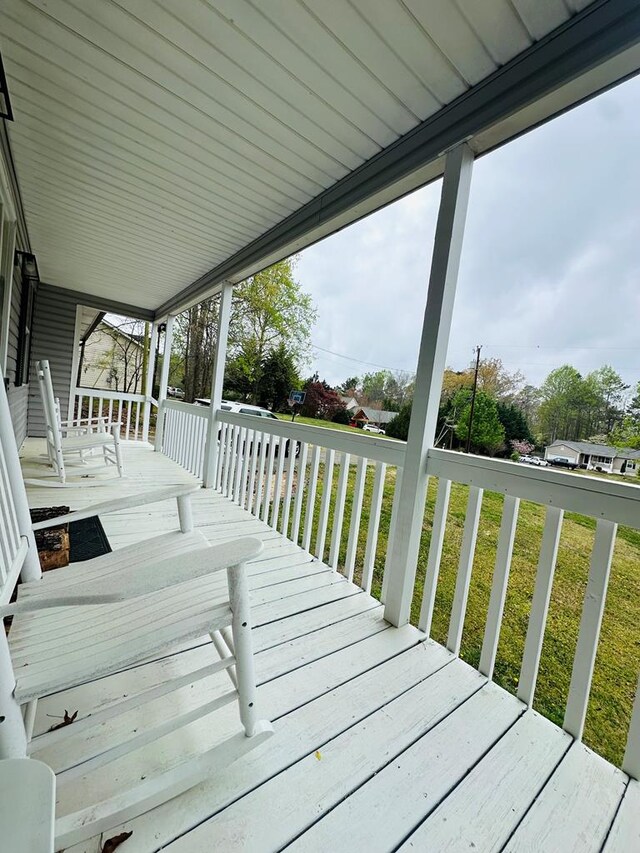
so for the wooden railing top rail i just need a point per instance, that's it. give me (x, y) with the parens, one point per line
(376, 449)
(109, 395)
(187, 408)
(592, 496)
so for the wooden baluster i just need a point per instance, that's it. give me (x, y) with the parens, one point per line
(222, 436)
(277, 491)
(246, 460)
(590, 623)
(135, 434)
(297, 503)
(631, 761)
(540, 605)
(286, 504)
(268, 478)
(231, 460)
(338, 512)
(329, 461)
(311, 497)
(435, 555)
(356, 512)
(126, 432)
(253, 465)
(499, 584)
(392, 530)
(264, 447)
(463, 579)
(240, 454)
(374, 526)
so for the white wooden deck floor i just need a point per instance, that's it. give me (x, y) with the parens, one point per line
(383, 740)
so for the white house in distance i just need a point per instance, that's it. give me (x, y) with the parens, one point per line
(112, 357)
(594, 457)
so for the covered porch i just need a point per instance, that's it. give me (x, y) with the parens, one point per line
(383, 740)
(149, 161)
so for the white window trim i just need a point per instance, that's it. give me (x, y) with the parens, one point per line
(8, 228)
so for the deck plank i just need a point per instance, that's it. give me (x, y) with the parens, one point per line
(576, 808)
(326, 776)
(486, 807)
(298, 732)
(625, 832)
(386, 808)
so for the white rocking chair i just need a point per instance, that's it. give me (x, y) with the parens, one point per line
(73, 626)
(80, 438)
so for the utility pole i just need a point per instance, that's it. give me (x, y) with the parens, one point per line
(473, 396)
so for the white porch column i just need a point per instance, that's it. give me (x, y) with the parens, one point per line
(164, 380)
(403, 558)
(148, 384)
(219, 363)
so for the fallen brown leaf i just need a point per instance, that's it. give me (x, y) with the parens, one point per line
(111, 843)
(66, 721)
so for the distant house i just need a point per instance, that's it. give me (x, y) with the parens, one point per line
(367, 415)
(593, 457)
(112, 358)
(350, 403)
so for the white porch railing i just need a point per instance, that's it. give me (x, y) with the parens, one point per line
(133, 411)
(325, 490)
(183, 433)
(273, 470)
(610, 503)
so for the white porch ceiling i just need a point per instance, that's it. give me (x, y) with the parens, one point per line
(154, 139)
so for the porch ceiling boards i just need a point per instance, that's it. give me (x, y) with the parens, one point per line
(383, 740)
(155, 143)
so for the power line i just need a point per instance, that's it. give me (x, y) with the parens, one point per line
(360, 361)
(552, 346)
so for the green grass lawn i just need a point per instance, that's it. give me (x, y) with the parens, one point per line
(331, 425)
(618, 660)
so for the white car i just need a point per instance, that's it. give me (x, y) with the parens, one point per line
(373, 428)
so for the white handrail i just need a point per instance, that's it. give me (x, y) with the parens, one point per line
(81, 391)
(376, 449)
(619, 502)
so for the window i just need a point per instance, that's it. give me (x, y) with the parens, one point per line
(30, 280)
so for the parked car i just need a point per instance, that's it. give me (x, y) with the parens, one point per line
(247, 409)
(373, 428)
(178, 393)
(529, 460)
(563, 462)
(537, 460)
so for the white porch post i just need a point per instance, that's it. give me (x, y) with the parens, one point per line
(164, 380)
(148, 384)
(403, 558)
(219, 363)
(75, 360)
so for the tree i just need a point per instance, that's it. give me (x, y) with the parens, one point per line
(342, 416)
(398, 427)
(487, 433)
(611, 391)
(278, 377)
(195, 335)
(350, 386)
(269, 310)
(563, 397)
(321, 401)
(514, 423)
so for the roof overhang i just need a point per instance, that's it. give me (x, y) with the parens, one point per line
(139, 214)
(587, 55)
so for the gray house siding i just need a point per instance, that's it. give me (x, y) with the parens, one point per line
(53, 331)
(18, 397)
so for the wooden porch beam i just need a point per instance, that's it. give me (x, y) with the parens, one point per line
(164, 380)
(445, 263)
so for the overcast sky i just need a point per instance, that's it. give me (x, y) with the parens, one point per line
(550, 271)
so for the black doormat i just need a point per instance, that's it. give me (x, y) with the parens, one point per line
(87, 540)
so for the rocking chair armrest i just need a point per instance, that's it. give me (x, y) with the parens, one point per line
(128, 502)
(147, 579)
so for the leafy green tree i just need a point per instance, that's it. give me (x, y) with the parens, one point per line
(487, 433)
(516, 427)
(342, 416)
(278, 377)
(398, 427)
(563, 396)
(269, 309)
(351, 385)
